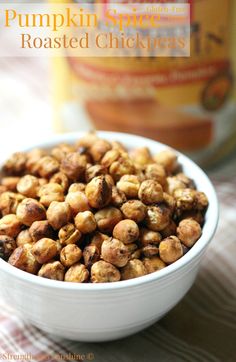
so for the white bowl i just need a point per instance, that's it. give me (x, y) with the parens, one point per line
(107, 311)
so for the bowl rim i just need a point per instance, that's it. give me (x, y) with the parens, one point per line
(198, 248)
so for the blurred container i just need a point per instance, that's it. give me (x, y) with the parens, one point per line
(188, 103)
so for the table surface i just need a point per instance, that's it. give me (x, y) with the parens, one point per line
(201, 328)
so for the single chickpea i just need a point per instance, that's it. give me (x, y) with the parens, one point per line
(7, 246)
(91, 255)
(74, 166)
(169, 230)
(10, 183)
(150, 192)
(115, 252)
(153, 264)
(148, 237)
(58, 214)
(47, 166)
(97, 240)
(173, 184)
(133, 269)
(104, 272)
(77, 273)
(98, 192)
(129, 184)
(16, 164)
(126, 231)
(59, 152)
(189, 231)
(41, 229)
(23, 258)
(24, 237)
(110, 157)
(52, 270)
(10, 225)
(107, 218)
(78, 202)
(28, 186)
(9, 202)
(123, 166)
(85, 222)
(158, 217)
(77, 186)
(68, 234)
(185, 199)
(134, 210)
(44, 250)
(49, 193)
(168, 159)
(156, 172)
(201, 201)
(118, 197)
(30, 210)
(98, 149)
(61, 179)
(70, 255)
(94, 171)
(150, 250)
(141, 156)
(33, 157)
(88, 140)
(170, 249)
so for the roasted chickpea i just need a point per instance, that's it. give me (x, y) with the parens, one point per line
(189, 231)
(44, 250)
(110, 157)
(104, 272)
(150, 250)
(77, 273)
(16, 164)
(123, 166)
(23, 258)
(126, 231)
(148, 237)
(28, 186)
(9, 202)
(173, 184)
(156, 172)
(97, 239)
(78, 202)
(94, 171)
(134, 210)
(153, 264)
(47, 166)
(118, 197)
(74, 166)
(98, 149)
(141, 156)
(41, 229)
(59, 152)
(168, 159)
(98, 192)
(77, 186)
(33, 157)
(70, 255)
(91, 254)
(10, 225)
(68, 234)
(107, 218)
(133, 269)
(58, 214)
(150, 192)
(87, 140)
(52, 270)
(201, 201)
(24, 237)
(85, 222)
(10, 183)
(169, 201)
(30, 210)
(7, 246)
(185, 199)
(129, 184)
(157, 218)
(170, 249)
(61, 179)
(115, 252)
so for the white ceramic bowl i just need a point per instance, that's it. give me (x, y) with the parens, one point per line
(107, 311)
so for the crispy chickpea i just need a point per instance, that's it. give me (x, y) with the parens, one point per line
(23, 258)
(7, 246)
(98, 149)
(158, 217)
(110, 157)
(153, 264)
(28, 186)
(170, 249)
(201, 201)
(115, 252)
(150, 250)
(150, 192)
(33, 157)
(107, 218)
(78, 202)
(97, 239)
(156, 172)
(24, 237)
(41, 229)
(85, 222)
(134, 210)
(49, 193)
(77, 186)
(44, 250)
(189, 231)
(148, 237)
(59, 152)
(123, 166)
(16, 164)
(70, 255)
(52, 270)
(94, 171)
(98, 192)
(189, 183)
(118, 197)
(185, 199)
(129, 184)
(77, 273)
(133, 269)
(169, 230)
(169, 201)
(9, 202)
(168, 159)
(30, 210)
(10, 225)
(91, 255)
(68, 234)
(74, 166)
(47, 166)
(87, 140)
(58, 214)
(104, 272)
(61, 179)
(116, 145)
(173, 184)
(141, 156)
(126, 231)
(10, 183)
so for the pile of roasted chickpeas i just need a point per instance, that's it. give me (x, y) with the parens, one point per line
(96, 212)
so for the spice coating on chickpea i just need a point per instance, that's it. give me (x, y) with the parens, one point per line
(30, 210)
(104, 272)
(170, 249)
(126, 231)
(53, 270)
(41, 229)
(7, 246)
(44, 250)
(68, 234)
(115, 252)
(133, 269)
(70, 255)
(98, 192)
(58, 214)
(189, 231)
(77, 273)
(150, 192)
(85, 222)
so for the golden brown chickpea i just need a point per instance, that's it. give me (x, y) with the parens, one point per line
(47, 166)
(98, 149)
(77, 186)
(173, 184)
(103, 272)
(77, 273)
(156, 172)
(87, 140)
(201, 201)
(118, 197)
(44, 250)
(134, 210)
(150, 250)
(98, 192)
(97, 239)
(141, 156)
(91, 255)
(70, 255)
(169, 201)
(189, 231)
(68, 234)
(52, 270)
(33, 157)
(169, 230)
(123, 166)
(107, 218)
(9, 202)
(30, 210)
(129, 184)
(168, 159)
(153, 264)
(49, 193)
(94, 171)
(7, 246)
(41, 229)
(149, 237)
(58, 214)
(61, 179)
(10, 183)
(170, 249)
(186, 180)
(115, 252)
(78, 202)
(59, 152)
(28, 186)
(133, 269)
(24, 237)
(74, 166)
(185, 199)
(158, 217)
(126, 231)
(116, 145)
(85, 222)
(110, 157)
(150, 192)
(16, 164)
(23, 258)
(10, 225)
